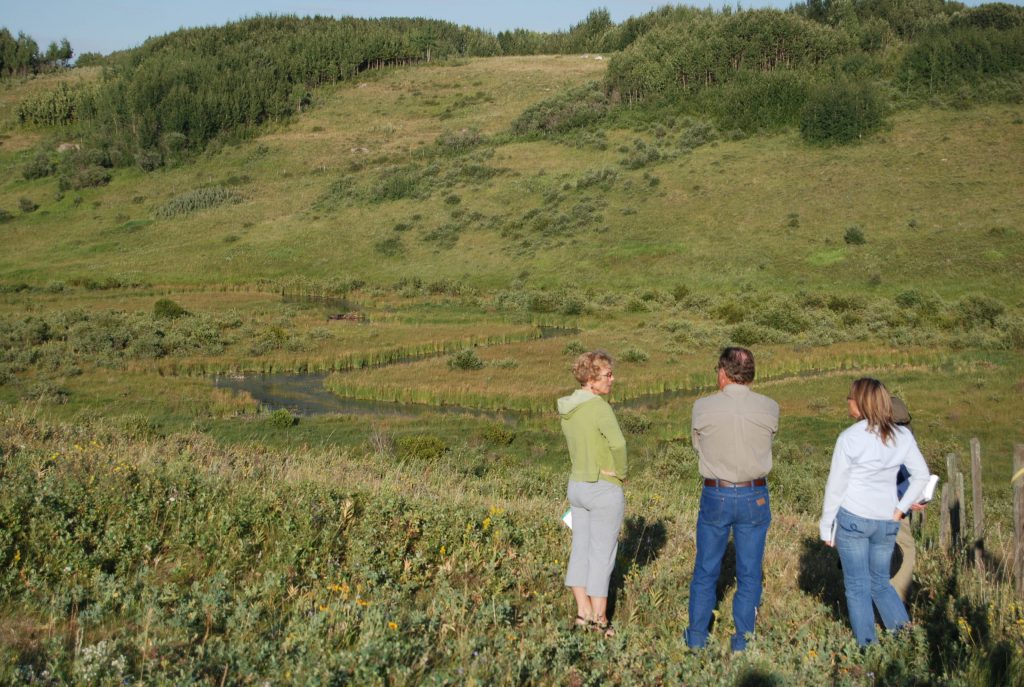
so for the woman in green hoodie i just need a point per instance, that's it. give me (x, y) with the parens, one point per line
(598, 453)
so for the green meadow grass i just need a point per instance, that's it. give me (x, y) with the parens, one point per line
(659, 257)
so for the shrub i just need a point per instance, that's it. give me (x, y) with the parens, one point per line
(759, 101)
(498, 434)
(149, 160)
(282, 419)
(750, 334)
(634, 355)
(633, 422)
(465, 359)
(395, 183)
(5, 216)
(841, 112)
(978, 310)
(420, 447)
(196, 200)
(27, 204)
(390, 246)
(38, 167)
(505, 363)
(458, 142)
(166, 309)
(88, 176)
(576, 107)
(573, 348)
(854, 236)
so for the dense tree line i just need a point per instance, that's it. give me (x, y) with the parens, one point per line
(745, 69)
(824, 65)
(21, 55)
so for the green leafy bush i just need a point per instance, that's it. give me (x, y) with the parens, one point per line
(465, 359)
(41, 165)
(573, 348)
(571, 109)
(634, 355)
(978, 310)
(166, 309)
(282, 418)
(854, 236)
(842, 112)
(634, 422)
(424, 447)
(498, 434)
(27, 205)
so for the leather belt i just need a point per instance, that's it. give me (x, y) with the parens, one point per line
(759, 482)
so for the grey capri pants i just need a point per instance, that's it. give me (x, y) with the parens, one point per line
(597, 511)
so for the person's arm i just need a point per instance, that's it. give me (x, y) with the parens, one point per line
(919, 473)
(609, 428)
(835, 489)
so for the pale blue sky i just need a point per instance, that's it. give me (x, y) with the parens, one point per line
(107, 25)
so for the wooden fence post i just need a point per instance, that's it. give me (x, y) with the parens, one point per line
(977, 506)
(954, 504)
(1018, 516)
(944, 519)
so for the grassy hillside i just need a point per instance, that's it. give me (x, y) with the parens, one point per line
(936, 198)
(405, 194)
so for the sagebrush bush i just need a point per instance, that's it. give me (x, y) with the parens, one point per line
(198, 199)
(41, 165)
(634, 355)
(27, 205)
(88, 176)
(634, 422)
(466, 359)
(166, 309)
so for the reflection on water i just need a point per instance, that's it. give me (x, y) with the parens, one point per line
(305, 394)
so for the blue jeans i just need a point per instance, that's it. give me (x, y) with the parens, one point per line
(745, 511)
(865, 549)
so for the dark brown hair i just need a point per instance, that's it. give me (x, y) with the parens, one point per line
(738, 364)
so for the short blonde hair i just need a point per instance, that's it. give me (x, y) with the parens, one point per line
(588, 366)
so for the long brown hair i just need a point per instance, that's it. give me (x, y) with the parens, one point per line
(875, 406)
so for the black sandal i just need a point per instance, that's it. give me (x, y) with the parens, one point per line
(582, 623)
(604, 628)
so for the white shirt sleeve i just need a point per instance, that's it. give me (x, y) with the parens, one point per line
(835, 489)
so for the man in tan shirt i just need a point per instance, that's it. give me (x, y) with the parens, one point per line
(732, 434)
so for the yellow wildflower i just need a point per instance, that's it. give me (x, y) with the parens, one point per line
(487, 522)
(443, 550)
(393, 625)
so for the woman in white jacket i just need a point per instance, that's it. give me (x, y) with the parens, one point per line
(861, 514)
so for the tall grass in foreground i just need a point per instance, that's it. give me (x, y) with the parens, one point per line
(177, 561)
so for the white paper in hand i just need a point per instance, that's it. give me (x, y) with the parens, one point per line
(567, 518)
(929, 489)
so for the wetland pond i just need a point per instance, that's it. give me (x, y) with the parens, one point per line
(305, 394)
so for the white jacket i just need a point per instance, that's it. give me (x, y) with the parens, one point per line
(863, 475)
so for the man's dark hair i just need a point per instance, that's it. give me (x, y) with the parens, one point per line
(738, 364)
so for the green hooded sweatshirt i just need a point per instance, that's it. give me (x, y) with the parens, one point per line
(595, 440)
